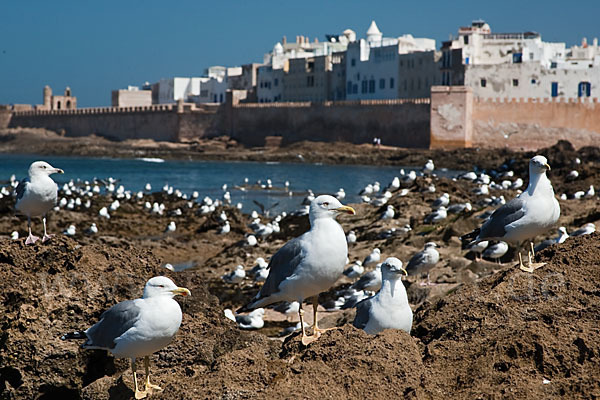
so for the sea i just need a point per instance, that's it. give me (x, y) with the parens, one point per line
(208, 177)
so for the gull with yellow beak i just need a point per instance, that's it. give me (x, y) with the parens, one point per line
(389, 308)
(531, 213)
(37, 194)
(309, 264)
(138, 328)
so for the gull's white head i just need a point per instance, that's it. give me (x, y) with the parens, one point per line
(43, 168)
(392, 268)
(163, 286)
(430, 245)
(538, 165)
(326, 206)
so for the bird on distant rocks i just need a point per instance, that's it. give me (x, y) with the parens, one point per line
(370, 281)
(226, 228)
(288, 308)
(308, 264)
(138, 328)
(36, 195)
(409, 178)
(70, 231)
(436, 216)
(351, 237)
(459, 208)
(388, 213)
(235, 276)
(260, 264)
(340, 194)
(251, 240)
(104, 213)
(373, 258)
(571, 176)
(171, 227)
(14, 235)
(531, 213)
(468, 176)
(424, 261)
(428, 167)
(587, 229)
(441, 201)
(355, 270)
(254, 320)
(496, 251)
(389, 308)
(562, 236)
(478, 248)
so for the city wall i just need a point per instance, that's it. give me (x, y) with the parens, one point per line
(397, 122)
(458, 119)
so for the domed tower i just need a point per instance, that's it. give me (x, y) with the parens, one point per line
(47, 98)
(373, 33)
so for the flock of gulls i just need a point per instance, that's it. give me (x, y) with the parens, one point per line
(307, 265)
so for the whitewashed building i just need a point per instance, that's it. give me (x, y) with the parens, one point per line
(170, 90)
(373, 64)
(519, 65)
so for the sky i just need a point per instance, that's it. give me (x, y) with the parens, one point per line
(96, 47)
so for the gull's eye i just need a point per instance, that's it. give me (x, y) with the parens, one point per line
(161, 286)
(325, 203)
(43, 166)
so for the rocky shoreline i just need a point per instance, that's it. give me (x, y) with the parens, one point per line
(485, 330)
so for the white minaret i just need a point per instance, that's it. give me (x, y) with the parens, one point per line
(374, 35)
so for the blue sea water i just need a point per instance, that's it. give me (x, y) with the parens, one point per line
(208, 177)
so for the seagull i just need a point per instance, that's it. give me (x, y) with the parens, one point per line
(370, 281)
(308, 264)
(138, 328)
(36, 195)
(235, 276)
(104, 213)
(496, 251)
(251, 240)
(441, 201)
(562, 236)
(428, 167)
(171, 227)
(70, 231)
(436, 216)
(351, 237)
(372, 258)
(585, 230)
(573, 175)
(261, 275)
(389, 308)
(459, 208)
(424, 260)
(388, 213)
(288, 308)
(226, 228)
(260, 264)
(478, 248)
(254, 320)
(524, 217)
(14, 235)
(355, 270)
(340, 194)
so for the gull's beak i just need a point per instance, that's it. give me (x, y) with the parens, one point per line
(400, 269)
(345, 209)
(181, 291)
(547, 166)
(58, 171)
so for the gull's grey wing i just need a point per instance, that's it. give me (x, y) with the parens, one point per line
(243, 320)
(363, 308)
(113, 323)
(365, 281)
(21, 188)
(416, 261)
(503, 216)
(283, 264)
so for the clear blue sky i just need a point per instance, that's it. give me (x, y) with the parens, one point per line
(95, 47)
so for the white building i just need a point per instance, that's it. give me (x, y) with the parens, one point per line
(131, 97)
(373, 64)
(519, 65)
(170, 90)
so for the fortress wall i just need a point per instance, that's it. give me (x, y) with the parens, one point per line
(397, 123)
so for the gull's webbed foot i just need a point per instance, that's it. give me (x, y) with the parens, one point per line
(31, 239)
(141, 394)
(306, 340)
(46, 238)
(150, 387)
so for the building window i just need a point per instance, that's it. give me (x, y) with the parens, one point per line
(466, 39)
(554, 89)
(221, 98)
(533, 81)
(584, 89)
(355, 88)
(275, 81)
(515, 82)
(483, 83)
(353, 62)
(517, 58)
(553, 64)
(382, 83)
(531, 56)
(364, 86)
(372, 86)
(391, 83)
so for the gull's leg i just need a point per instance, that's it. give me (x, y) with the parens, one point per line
(532, 266)
(306, 340)
(30, 239)
(316, 330)
(149, 386)
(532, 251)
(139, 394)
(46, 236)
(428, 282)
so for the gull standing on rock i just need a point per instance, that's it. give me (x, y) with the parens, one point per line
(370, 281)
(138, 328)
(424, 260)
(523, 218)
(428, 167)
(496, 251)
(389, 308)
(388, 213)
(587, 229)
(36, 195)
(372, 258)
(309, 264)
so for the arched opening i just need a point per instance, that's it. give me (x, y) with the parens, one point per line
(58, 105)
(584, 89)
(68, 104)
